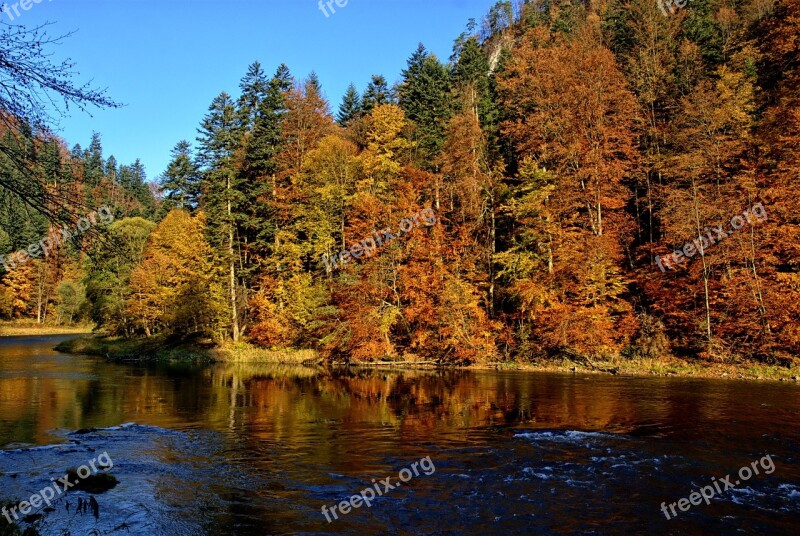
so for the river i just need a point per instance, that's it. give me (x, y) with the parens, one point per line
(261, 449)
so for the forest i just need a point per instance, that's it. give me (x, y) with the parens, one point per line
(560, 155)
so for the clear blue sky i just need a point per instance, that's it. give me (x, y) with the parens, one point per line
(167, 59)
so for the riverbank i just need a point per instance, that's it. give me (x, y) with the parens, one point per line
(204, 352)
(161, 349)
(29, 328)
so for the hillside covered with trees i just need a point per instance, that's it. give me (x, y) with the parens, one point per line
(568, 150)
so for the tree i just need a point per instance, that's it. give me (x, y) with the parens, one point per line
(176, 288)
(219, 139)
(133, 180)
(387, 145)
(17, 291)
(350, 108)
(254, 87)
(424, 96)
(377, 93)
(259, 170)
(473, 83)
(181, 180)
(93, 163)
(108, 273)
(35, 92)
(569, 110)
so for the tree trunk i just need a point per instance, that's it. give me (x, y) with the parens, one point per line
(706, 273)
(232, 261)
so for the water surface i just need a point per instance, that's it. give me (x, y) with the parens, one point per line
(257, 449)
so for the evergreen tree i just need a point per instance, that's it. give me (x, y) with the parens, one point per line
(473, 83)
(254, 88)
(350, 107)
(50, 161)
(111, 169)
(313, 81)
(220, 137)
(260, 165)
(377, 93)
(94, 166)
(424, 96)
(181, 180)
(133, 180)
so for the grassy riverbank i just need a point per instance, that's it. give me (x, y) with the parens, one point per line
(668, 366)
(161, 349)
(29, 328)
(140, 350)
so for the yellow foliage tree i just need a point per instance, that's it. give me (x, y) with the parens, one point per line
(177, 289)
(386, 144)
(16, 291)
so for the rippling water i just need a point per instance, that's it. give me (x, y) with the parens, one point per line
(248, 449)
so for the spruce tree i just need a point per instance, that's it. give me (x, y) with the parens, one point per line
(220, 135)
(350, 107)
(94, 166)
(377, 93)
(111, 170)
(260, 165)
(181, 180)
(424, 96)
(473, 83)
(254, 88)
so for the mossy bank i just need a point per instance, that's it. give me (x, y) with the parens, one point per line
(160, 349)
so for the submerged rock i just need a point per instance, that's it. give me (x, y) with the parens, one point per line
(99, 483)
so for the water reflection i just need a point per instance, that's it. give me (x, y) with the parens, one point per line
(284, 440)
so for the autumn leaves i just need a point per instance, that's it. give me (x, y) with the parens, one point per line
(713, 236)
(379, 239)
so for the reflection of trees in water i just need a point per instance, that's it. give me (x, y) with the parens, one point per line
(297, 405)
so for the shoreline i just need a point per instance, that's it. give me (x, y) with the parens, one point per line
(161, 350)
(32, 329)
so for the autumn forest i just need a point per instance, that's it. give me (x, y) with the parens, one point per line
(558, 156)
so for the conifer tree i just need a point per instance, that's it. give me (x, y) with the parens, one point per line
(424, 96)
(377, 93)
(181, 180)
(219, 138)
(350, 108)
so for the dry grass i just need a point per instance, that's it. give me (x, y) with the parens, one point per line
(242, 352)
(21, 328)
(668, 366)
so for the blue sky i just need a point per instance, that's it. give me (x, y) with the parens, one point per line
(167, 59)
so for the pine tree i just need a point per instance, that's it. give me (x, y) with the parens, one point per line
(133, 179)
(473, 83)
(313, 82)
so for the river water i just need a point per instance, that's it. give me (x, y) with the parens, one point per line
(257, 449)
